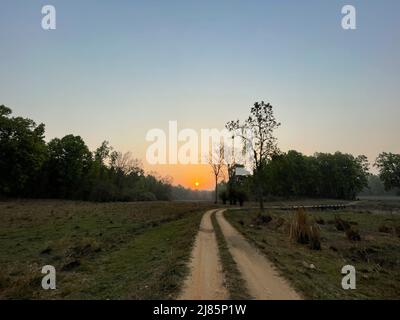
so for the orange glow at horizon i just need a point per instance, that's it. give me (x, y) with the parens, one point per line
(193, 176)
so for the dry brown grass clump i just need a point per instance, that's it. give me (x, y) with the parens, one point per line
(384, 229)
(262, 219)
(341, 225)
(397, 231)
(304, 230)
(351, 232)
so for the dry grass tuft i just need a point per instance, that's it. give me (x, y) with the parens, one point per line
(384, 229)
(262, 219)
(351, 232)
(304, 230)
(341, 225)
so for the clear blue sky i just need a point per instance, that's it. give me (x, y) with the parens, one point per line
(115, 69)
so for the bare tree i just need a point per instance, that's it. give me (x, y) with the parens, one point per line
(217, 162)
(257, 136)
(125, 163)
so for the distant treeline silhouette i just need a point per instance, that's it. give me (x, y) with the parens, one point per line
(323, 175)
(294, 175)
(66, 169)
(275, 173)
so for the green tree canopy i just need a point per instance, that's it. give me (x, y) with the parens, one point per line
(69, 161)
(389, 169)
(22, 152)
(336, 175)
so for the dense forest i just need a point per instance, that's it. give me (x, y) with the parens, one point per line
(294, 175)
(66, 169)
(322, 175)
(338, 175)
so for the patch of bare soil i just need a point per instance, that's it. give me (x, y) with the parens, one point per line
(206, 279)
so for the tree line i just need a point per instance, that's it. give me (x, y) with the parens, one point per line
(275, 173)
(337, 176)
(66, 169)
(323, 175)
(292, 174)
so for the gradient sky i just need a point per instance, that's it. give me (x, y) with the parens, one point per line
(112, 70)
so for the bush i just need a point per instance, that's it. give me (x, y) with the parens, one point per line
(103, 192)
(384, 229)
(223, 195)
(352, 234)
(241, 196)
(147, 196)
(397, 231)
(278, 223)
(304, 230)
(341, 225)
(127, 195)
(262, 219)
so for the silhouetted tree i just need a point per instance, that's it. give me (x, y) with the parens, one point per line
(68, 164)
(257, 133)
(216, 160)
(389, 169)
(22, 153)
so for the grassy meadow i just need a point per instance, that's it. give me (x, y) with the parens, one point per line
(100, 250)
(317, 273)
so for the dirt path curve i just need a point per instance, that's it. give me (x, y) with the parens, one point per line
(206, 280)
(262, 279)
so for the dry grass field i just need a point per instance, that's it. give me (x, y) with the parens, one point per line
(317, 273)
(100, 251)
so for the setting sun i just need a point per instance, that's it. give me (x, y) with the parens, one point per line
(197, 184)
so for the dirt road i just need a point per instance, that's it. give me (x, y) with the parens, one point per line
(262, 279)
(206, 280)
